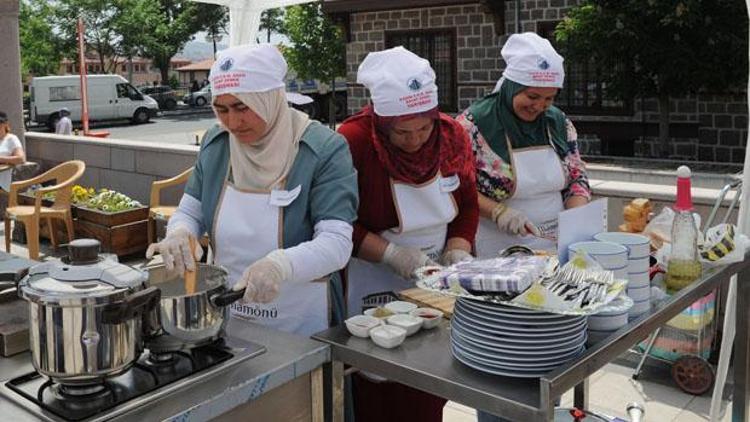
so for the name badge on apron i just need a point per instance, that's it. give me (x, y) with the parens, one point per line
(449, 184)
(282, 198)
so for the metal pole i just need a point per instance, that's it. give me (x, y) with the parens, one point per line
(82, 72)
(741, 396)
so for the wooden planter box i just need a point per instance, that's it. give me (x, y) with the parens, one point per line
(121, 233)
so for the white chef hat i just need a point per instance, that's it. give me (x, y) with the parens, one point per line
(400, 82)
(532, 61)
(251, 68)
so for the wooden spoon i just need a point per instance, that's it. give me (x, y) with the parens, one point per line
(191, 281)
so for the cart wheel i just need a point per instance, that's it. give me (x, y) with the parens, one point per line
(692, 374)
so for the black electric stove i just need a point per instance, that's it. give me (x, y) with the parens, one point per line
(151, 374)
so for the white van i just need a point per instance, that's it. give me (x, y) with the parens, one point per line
(110, 97)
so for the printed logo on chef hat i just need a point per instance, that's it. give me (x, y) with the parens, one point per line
(532, 61)
(382, 72)
(414, 84)
(226, 64)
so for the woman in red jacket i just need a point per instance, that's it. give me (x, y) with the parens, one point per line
(418, 204)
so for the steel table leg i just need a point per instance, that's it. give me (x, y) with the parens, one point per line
(581, 395)
(651, 342)
(741, 396)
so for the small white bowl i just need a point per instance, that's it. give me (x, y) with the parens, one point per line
(637, 280)
(638, 245)
(360, 325)
(388, 336)
(400, 307)
(409, 323)
(640, 294)
(371, 312)
(638, 265)
(609, 255)
(430, 317)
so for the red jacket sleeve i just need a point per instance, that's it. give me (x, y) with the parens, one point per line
(466, 222)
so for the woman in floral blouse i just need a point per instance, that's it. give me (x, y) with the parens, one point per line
(526, 155)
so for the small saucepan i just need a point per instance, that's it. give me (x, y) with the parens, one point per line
(191, 318)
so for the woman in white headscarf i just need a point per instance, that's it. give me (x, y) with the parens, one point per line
(277, 194)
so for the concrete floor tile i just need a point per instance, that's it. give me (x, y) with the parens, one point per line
(452, 414)
(616, 389)
(458, 407)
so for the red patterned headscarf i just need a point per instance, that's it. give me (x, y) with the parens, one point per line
(447, 149)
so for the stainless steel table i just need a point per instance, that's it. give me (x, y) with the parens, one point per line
(424, 360)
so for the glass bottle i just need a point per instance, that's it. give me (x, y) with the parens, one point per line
(683, 265)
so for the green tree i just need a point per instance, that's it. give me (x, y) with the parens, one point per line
(272, 20)
(317, 48)
(40, 51)
(101, 21)
(659, 48)
(175, 23)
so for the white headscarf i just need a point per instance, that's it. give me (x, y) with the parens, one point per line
(265, 163)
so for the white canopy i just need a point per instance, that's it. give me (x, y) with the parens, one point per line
(244, 16)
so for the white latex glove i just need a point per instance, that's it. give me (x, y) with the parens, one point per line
(513, 221)
(175, 250)
(454, 256)
(405, 260)
(262, 280)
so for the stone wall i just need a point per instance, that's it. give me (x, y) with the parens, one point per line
(721, 118)
(123, 165)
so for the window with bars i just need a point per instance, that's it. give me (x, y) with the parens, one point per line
(439, 47)
(583, 92)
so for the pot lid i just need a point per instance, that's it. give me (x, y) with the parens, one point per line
(81, 275)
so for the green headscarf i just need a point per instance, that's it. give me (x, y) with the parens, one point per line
(494, 117)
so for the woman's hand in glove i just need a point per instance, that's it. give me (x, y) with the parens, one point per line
(454, 256)
(262, 280)
(513, 221)
(175, 251)
(405, 260)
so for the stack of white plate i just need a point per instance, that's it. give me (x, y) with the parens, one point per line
(609, 319)
(639, 250)
(514, 342)
(611, 256)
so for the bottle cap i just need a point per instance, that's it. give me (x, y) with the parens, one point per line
(684, 199)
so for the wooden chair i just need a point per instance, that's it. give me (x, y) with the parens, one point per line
(157, 211)
(64, 175)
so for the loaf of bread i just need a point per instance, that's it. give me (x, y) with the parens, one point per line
(636, 215)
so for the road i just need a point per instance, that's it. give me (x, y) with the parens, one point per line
(181, 129)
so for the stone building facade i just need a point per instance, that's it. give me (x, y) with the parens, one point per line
(462, 40)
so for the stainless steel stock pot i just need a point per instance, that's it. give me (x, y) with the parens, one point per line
(85, 314)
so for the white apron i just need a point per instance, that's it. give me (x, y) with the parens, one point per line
(424, 212)
(540, 178)
(247, 226)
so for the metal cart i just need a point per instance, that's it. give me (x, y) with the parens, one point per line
(687, 341)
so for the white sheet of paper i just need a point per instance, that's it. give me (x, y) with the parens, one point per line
(580, 224)
(6, 177)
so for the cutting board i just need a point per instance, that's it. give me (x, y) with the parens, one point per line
(429, 299)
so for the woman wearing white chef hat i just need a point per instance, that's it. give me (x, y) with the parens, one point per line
(418, 204)
(526, 154)
(277, 194)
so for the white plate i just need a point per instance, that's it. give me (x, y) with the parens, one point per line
(482, 368)
(525, 350)
(494, 363)
(514, 319)
(469, 327)
(489, 327)
(504, 357)
(638, 245)
(500, 326)
(503, 338)
(514, 346)
(517, 323)
(509, 310)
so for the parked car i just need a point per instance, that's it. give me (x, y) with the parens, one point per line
(198, 98)
(109, 97)
(163, 94)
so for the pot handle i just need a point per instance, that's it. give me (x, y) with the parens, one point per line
(132, 306)
(227, 298)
